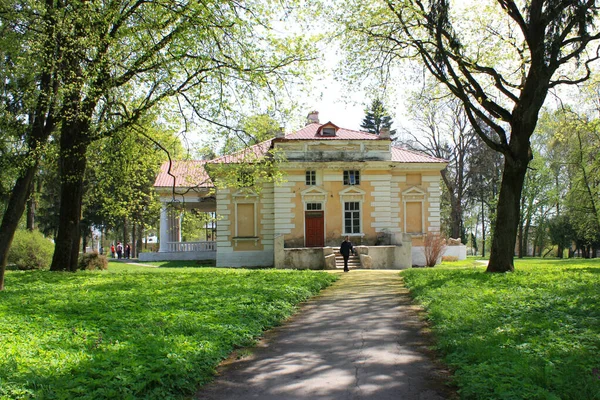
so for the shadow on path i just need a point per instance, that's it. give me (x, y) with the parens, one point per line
(359, 339)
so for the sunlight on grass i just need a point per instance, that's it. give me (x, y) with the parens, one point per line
(135, 332)
(533, 334)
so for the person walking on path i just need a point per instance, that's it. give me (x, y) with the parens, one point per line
(345, 250)
(119, 250)
(112, 250)
(359, 339)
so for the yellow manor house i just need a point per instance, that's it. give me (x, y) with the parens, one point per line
(335, 183)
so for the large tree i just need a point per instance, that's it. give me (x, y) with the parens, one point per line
(502, 73)
(96, 67)
(29, 58)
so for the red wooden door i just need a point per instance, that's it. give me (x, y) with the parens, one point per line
(314, 228)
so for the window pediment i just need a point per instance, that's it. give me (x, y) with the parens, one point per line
(314, 194)
(244, 193)
(413, 193)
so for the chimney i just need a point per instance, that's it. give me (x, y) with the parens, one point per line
(384, 133)
(313, 118)
(280, 134)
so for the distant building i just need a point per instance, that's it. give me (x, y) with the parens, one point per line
(336, 182)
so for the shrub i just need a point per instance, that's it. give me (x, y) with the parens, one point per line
(92, 261)
(434, 248)
(30, 250)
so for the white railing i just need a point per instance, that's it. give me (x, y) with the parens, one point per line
(191, 246)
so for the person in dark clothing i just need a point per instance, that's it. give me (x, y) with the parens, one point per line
(345, 250)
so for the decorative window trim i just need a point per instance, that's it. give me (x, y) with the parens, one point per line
(414, 195)
(245, 197)
(353, 194)
(360, 223)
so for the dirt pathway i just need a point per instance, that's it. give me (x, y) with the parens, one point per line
(360, 339)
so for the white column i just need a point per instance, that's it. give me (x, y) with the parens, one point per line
(164, 228)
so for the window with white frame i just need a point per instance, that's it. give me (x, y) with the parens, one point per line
(352, 217)
(351, 178)
(311, 178)
(313, 206)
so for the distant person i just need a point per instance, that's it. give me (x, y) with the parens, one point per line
(112, 250)
(127, 251)
(345, 250)
(119, 250)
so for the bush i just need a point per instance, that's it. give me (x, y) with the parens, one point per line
(92, 261)
(435, 245)
(30, 250)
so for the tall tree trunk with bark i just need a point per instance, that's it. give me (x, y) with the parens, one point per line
(14, 211)
(73, 162)
(508, 210)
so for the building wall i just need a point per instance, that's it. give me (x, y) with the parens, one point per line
(234, 251)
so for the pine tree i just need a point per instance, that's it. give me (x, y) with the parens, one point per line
(376, 118)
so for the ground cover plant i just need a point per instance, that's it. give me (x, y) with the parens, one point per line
(152, 333)
(531, 334)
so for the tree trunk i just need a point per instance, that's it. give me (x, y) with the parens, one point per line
(125, 233)
(31, 206)
(73, 163)
(138, 246)
(482, 228)
(526, 238)
(133, 240)
(520, 239)
(84, 240)
(14, 211)
(507, 216)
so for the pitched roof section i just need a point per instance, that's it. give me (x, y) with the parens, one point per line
(249, 154)
(408, 156)
(185, 173)
(312, 132)
(193, 174)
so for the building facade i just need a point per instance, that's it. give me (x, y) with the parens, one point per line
(334, 183)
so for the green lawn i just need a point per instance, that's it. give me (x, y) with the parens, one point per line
(133, 331)
(531, 334)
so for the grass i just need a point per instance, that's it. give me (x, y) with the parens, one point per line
(531, 334)
(135, 332)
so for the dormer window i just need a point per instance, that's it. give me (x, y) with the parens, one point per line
(327, 130)
(330, 131)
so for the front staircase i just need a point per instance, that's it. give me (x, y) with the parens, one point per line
(353, 261)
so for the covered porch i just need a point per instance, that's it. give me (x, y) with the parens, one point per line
(184, 187)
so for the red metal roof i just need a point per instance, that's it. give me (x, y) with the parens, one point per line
(249, 154)
(193, 174)
(409, 156)
(311, 132)
(187, 174)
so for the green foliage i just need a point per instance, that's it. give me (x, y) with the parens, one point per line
(92, 261)
(531, 334)
(376, 118)
(151, 334)
(30, 250)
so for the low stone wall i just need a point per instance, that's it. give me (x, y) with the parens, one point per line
(304, 258)
(418, 253)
